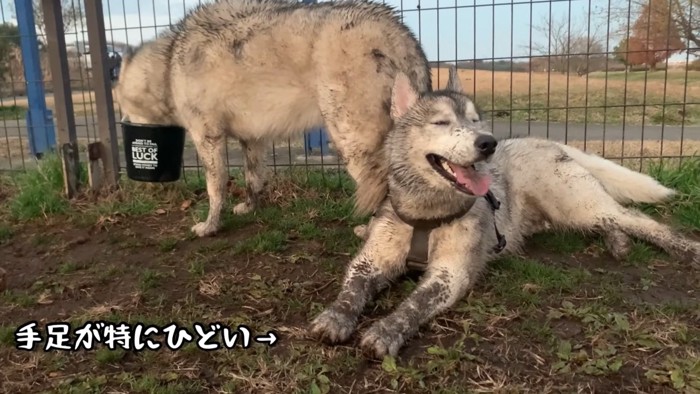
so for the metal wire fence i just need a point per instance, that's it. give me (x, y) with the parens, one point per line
(620, 77)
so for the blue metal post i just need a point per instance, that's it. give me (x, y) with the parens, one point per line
(40, 128)
(316, 138)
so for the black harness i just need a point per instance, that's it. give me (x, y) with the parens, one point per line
(423, 227)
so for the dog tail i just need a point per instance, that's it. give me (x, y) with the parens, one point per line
(623, 184)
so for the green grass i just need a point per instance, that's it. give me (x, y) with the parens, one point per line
(566, 242)
(525, 281)
(7, 335)
(264, 242)
(643, 254)
(150, 279)
(553, 326)
(106, 356)
(12, 112)
(18, 298)
(39, 191)
(5, 233)
(685, 179)
(641, 76)
(68, 267)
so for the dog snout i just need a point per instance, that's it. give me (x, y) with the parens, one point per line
(486, 144)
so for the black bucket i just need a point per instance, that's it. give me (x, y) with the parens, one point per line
(153, 152)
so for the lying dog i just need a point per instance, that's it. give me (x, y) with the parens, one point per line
(443, 160)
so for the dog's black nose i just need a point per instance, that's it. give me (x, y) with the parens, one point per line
(486, 144)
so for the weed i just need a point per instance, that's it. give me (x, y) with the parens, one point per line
(265, 242)
(685, 179)
(68, 267)
(149, 279)
(566, 242)
(167, 245)
(7, 335)
(5, 233)
(39, 191)
(106, 356)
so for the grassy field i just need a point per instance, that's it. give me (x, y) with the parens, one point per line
(593, 99)
(634, 97)
(562, 317)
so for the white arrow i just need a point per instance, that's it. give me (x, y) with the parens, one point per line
(270, 339)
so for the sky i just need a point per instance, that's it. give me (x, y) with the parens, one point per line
(449, 30)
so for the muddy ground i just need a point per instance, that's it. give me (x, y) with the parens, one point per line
(564, 317)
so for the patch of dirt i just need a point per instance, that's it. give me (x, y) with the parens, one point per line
(151, 269)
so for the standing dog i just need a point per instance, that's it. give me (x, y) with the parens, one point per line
(261, 70)
(442, 160)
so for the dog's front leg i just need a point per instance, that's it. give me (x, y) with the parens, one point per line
(457, 257)
(381, 259)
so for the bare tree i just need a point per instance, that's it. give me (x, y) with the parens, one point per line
(73, 15)
(569, 46)
(686, 15)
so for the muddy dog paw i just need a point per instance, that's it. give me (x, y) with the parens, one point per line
(361, 231)
(204, 229)
(618, 244)
(380, 340)
(332, 327)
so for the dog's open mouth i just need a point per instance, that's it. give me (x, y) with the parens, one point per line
(465, 179)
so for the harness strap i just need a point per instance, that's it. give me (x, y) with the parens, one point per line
(495, 204)
(427, 225)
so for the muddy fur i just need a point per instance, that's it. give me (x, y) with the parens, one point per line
(541, 185)
(263, 70)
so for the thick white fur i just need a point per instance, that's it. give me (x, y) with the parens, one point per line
(623, 184)
(261, 70)
(541, 184)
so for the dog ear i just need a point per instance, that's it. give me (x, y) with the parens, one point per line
(453, 83)
(403, 96)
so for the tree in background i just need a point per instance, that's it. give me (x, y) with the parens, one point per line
(9, 42)
(73, 15)
(569, 46)
(621, 53)
(654, 36)
(684, 15)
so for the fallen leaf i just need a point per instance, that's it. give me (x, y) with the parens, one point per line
(530, 288)
(44, 298)
(186, 205)
(160, 211)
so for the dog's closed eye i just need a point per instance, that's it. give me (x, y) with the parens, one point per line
(441, 123)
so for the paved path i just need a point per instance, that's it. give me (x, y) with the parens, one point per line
(502, 128)
(285, 155)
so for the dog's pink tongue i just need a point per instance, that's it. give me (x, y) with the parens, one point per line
(472, 180)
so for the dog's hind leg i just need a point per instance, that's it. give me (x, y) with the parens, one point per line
(642, 226)
(382, 259)
(457, 257)
(211, 149)
(255, 177)
(592, 208)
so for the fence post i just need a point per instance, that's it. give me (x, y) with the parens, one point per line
(108, 148)
(40, 131)
(60, 77)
